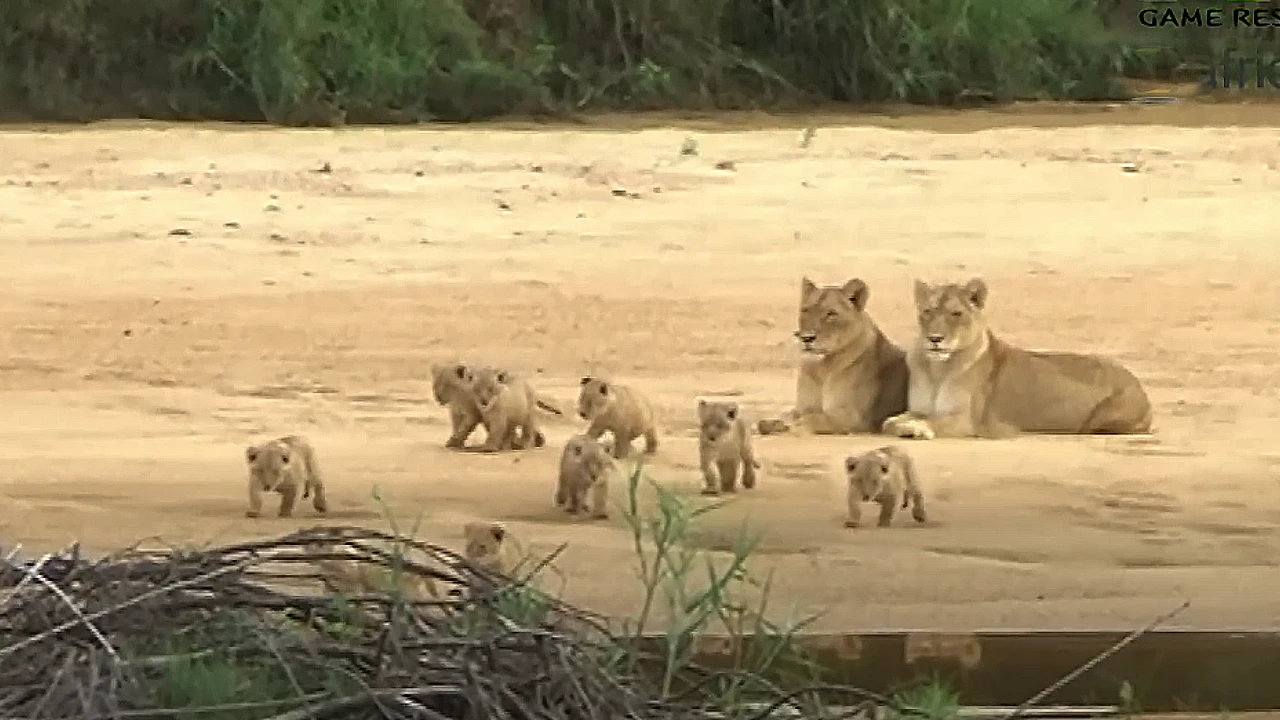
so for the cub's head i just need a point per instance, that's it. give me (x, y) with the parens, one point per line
(591, 454)
(594, 397)
(833, 317)
(869, 473)
(716, 418)
(448, 381)
(483, 543)
(950, 316)
(269, 463)
(487, 384)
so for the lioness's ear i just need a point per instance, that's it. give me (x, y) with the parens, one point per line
(807, 287)
(857, 292)
(251, 453)
(922, 291)
(976, 289)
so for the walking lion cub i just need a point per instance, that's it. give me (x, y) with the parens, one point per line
(885, 476)
(724, 447)
(284, 466)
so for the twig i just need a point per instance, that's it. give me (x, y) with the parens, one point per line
(1099, 659)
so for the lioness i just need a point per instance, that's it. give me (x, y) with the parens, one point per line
(283, 466)
(966, 382)
(851, 377)
(724, 445)
(507, 403)
(451, 385)
(585, 466)
(883, 476)
(620, 410)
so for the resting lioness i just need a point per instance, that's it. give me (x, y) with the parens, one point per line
(451, 385)
(585, 466)
(885, 476)
(851, 377)
(283, 466)
(724, 446)
(620, 410)
(965, 381)
(507, 403)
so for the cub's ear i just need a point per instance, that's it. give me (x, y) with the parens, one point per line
(498, 531)
(976, 292)
(501, 377)
(604, 388)
(850, 463)
(732, 412)
(857, 292)
(251, 454)
(461, 371)
(585, 379)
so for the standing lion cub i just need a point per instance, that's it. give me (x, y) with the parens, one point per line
(585, 465)
(885, 476)
(620, 410)
(507, 404)
(451, 385)
(965, 381)
(283, 466)
(724, 445)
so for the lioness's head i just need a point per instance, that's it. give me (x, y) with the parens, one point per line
(832, 317)
(950, 316)
(448, 380)
(869, 473)
(594, 397)
(269, 463)
(487, 384)
(716, 418)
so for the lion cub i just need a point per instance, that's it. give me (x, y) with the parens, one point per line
(620, 410)
(724, 444)
(451, 385)
(282, 466)
(883, 476)
(585, 465)
(507, 403)
(490, 547)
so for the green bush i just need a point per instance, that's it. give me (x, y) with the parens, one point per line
(322, 62)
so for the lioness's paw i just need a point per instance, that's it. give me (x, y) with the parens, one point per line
(772, 426)
(905, 426)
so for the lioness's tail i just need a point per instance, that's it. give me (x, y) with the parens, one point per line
(545, 405)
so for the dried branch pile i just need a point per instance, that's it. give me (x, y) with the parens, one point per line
(243, 631)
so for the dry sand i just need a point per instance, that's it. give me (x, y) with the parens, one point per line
(171, 294)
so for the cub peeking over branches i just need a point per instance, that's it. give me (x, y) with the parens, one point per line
(284, 466)
(585, 465)
(724, 445)
(619, 410)
(883, 476)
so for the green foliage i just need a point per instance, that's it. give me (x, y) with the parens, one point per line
(327, 62)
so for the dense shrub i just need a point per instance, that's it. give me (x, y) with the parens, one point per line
(330, 61)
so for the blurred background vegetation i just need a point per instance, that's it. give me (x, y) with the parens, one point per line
(324, 62)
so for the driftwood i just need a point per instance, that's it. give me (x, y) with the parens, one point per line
(110, 638)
